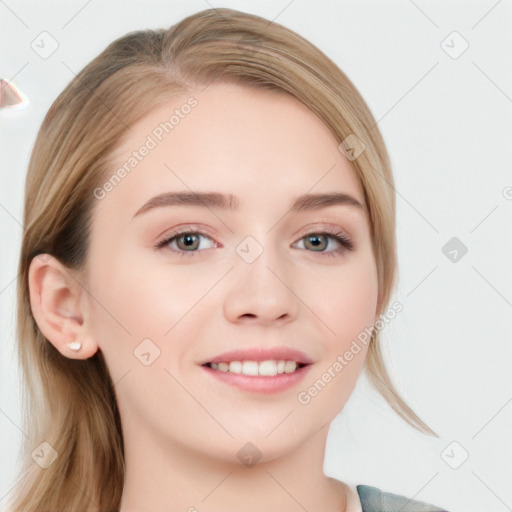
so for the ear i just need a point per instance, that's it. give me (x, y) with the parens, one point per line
(59, 306)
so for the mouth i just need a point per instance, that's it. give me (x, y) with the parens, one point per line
(267, 368)
(259, 370)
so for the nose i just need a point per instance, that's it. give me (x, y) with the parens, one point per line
(261, 291)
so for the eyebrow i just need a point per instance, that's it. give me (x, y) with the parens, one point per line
(218, 201)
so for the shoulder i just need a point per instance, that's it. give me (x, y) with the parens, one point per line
(375, 500)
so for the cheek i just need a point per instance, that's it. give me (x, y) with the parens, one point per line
(139, 298)
(345, 303)
(345, 300)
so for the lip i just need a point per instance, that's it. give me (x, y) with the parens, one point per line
(262, 354)
(259, 384)
(263, 384)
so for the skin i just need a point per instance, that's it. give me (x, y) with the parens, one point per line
(182, 429)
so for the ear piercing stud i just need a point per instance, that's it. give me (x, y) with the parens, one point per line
(75, 346)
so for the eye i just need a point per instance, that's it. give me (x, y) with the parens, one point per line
(319, 242)
(185, 242)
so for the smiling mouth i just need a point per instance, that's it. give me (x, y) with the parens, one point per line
(267, 368)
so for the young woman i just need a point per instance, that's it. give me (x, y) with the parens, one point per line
(209, 248)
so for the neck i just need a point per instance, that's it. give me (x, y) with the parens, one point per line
(178, 479)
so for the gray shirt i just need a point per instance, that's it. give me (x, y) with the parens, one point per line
(375, 500)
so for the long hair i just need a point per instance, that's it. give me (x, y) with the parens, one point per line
(71, 404)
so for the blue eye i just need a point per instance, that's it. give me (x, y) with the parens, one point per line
(188, 243)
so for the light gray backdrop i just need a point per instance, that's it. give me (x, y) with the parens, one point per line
(438, 79)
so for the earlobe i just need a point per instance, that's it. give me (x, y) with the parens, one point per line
(58, 306)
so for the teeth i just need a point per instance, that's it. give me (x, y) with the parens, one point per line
(290, 366)
(268, 368)
(249, 368)
(265, 368)
(235, 367)
(223, 367)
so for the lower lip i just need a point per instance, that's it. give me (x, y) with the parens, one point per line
(260, 384)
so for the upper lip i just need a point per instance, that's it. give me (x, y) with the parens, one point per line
(262, 354)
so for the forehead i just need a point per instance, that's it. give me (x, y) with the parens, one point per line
(251, 142)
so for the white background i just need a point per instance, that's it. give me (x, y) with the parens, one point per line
(447, 124)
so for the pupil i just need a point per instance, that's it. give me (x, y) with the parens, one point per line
(316, 241)
(189, 240)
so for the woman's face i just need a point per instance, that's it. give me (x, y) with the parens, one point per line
(178, 282)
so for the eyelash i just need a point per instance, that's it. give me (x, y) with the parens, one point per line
(341, 238)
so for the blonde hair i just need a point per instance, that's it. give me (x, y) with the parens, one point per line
(71, 404)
